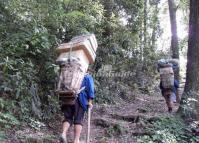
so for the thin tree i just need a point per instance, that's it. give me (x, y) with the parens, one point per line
(145, 25)
(174, 37)
(108, 7)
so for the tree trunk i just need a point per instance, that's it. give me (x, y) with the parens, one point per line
(145, 24)
(108, 7)
(192, 75)
(144, 47)
(155, 28)
(174, 38)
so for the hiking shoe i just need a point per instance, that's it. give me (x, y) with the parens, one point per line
(62, 139)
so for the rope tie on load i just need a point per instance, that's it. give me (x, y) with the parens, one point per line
(70, 52)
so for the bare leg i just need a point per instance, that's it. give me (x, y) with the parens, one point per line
(78, 129)
(66, 126)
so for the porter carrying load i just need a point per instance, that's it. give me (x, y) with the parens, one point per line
(167, 76)
(168, 84)
(165, 68)
(74, 59)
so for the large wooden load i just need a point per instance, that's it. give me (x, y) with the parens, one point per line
(82, 47)
(166, 70)
(167, 76)
(74, 59)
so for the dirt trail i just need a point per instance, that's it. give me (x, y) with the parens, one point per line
(109, 124)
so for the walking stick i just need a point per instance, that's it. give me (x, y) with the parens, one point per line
(89, 125)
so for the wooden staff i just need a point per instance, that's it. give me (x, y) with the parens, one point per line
(89, 125)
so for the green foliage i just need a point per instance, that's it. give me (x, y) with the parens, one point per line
(79, 23)
(103, 95)
(25, 55)
(169, 130)
(115, 130)
(31, 30)
(2, 135)
(7, 119)
(7, 105)
(35, 124)
(189, 104)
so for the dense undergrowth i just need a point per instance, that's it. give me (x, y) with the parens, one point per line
(30, 32)
(169, 130)
(8, 117)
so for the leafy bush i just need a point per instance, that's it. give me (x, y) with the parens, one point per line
(169, 130)
(7, 108)
(189, 105)
(7, 119)
(2, 135)
(115, 130)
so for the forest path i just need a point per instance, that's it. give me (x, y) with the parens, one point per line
(127, 122)
(122, 123)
